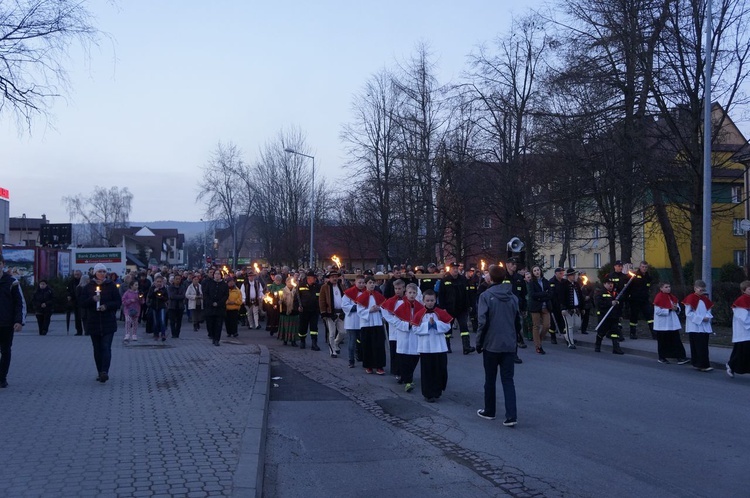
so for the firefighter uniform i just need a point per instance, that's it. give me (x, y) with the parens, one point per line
(608, 326)
(309, 295)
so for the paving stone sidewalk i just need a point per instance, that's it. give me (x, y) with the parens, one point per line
(180, 419)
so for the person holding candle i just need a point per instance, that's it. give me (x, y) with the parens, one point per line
(101, 299)
(667, 326)
(215, 295)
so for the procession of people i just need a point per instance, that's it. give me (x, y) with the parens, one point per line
(398, 319)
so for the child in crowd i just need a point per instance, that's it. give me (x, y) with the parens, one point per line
(698, 325)
(739, 360)
(388, 309)
(372, 333)
(131, 304)
(351, 318)
(432, 324)
(407, 346)
(667, 326)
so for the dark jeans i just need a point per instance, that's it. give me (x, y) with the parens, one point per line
(507, 367)
(175, 322)
(308, 319)
(159, 320)
(6, 341)
(102, 351)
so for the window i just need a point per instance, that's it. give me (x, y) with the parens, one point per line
(486, 243)
(573, 260)
(541, 236)
(551, 236)
(739, 258)
(737, 194)
(486, 222)
(736, 228)
(543, 262)
(551, 260)
(597, 260)
(596, 233)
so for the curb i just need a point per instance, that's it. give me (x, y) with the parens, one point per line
(248, 477)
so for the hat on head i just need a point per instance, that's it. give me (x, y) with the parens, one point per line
(618, 262)
(100, 267)
(570, 271)
(311, 273)
(606, 280)
(559, 269)
(514, 259)
(333, 272)
(368, 272)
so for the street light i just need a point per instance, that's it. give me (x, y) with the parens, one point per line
(203, 265)
(312, 200)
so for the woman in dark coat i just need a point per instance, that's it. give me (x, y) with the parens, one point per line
(539, 301)
(43, 302)
(101, 299)
(215, 295)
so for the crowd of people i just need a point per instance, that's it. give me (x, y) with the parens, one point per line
(412, 312)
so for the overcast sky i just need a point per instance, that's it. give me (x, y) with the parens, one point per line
(174, 77)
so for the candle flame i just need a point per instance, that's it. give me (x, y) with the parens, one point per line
(256, 268)
(336, 260)
(225, 269)
(268, 298)
(447, 268)
(294, 282)
(483, 265)
(585, 279)
(97, 288)
(500, 264)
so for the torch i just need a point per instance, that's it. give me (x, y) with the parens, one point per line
(336, 261)
(482, 265)
(256, 268)
(604, 318)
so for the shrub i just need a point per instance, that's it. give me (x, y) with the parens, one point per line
(731, 272)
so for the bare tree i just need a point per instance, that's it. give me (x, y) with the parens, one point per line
(371, 141)
(284, 181)
(35, 39)
(102, 212)
(228, 193)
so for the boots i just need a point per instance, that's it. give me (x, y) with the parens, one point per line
(552, 338)
(633, 334)
(314, 340)
(616, 347)
(301, 343)
(448, 342)
(466, 342)
(598, 345)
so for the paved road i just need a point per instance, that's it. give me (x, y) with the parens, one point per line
(590, 424)
(172, 421)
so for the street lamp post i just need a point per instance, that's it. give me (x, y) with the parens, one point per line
(203, 264)
(312, 200)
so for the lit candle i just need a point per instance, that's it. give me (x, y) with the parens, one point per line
(99, 295)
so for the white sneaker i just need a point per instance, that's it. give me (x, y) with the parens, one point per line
(729, 371)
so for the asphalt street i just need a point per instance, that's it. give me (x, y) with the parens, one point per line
(590, 424)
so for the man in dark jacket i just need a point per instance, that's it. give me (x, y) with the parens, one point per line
(557, 285)
(497, 312)
(309, 294)
(454, 298)
(176, 306)
(639, 295)
(11, 318)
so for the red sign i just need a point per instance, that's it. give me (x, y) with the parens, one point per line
(4, 194)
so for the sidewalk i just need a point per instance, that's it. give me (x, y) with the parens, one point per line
(183, 418)
(646, 347)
